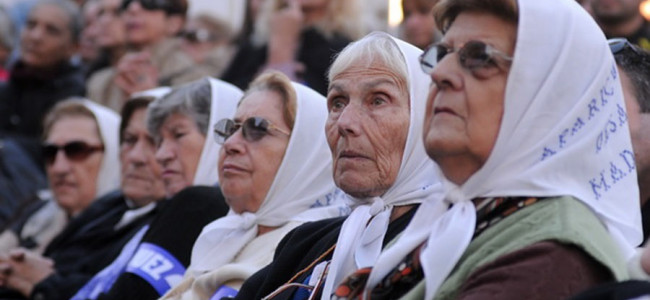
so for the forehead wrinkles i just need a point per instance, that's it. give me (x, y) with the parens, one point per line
(365, 73)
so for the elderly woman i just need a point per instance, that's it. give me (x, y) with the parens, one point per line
(274, 171)
(86, 169)
(533, 141)
(376, 108)
(179, 123)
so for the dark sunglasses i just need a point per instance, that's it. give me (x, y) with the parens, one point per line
(253, 129)
(165, 5)
(475, 56)
(616, 45)
(75, 151)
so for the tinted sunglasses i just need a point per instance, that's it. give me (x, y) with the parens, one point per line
(616, 45)
(253, 129)
(477, 57)
(75, 151)
(165, 5)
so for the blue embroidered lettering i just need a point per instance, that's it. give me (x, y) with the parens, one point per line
(628, 157)
(547, 153)
(616, 173)
(562, 137)
(622, 116)
(593, 108)
(577, 126)
(596, 186)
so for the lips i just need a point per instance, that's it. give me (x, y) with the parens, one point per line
(232, 168)
(444, 110)
(351, 154)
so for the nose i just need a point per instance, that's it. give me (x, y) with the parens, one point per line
(139, 153)
(348, 122)
(235, 143)
(447, 74)
(61, 164)
(165, 152)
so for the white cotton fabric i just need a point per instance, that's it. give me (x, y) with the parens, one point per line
(359, 245)
(108, 122)
(225, 98)
(561, 65)
(303, 190)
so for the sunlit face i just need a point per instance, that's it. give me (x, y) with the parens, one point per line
(418, 25)
(367, 127)
(247, 169)
(615, 11)
(464, 111)
(74, 183)
(111, 28)
(141, 174)
(179, 151)
(46, 39)
(144, 27)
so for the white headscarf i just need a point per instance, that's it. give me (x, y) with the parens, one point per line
(359, 245)
(225, 98)
(563, 132)
(302, 190)
(108, 122)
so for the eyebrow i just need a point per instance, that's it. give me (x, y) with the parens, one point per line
(366, 85)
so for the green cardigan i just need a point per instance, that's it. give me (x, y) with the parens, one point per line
(562, 219)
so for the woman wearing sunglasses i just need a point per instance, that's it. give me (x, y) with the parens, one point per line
(532, 139)
(275, 174)
(376, 108)
(80, 154)
(180, 124)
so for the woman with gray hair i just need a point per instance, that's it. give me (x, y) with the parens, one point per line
(179, 123)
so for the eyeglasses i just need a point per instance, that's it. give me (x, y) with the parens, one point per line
(253, 129)
(75, 151)
(167, 5)
(475, 56)
(616, 45)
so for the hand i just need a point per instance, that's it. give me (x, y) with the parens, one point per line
(286, 25)
(5, 269)
(26, 270)
(136, 73)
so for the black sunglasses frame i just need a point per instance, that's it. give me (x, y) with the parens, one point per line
(74, 151)
(253, 129)
(165, 5)
(473, 55)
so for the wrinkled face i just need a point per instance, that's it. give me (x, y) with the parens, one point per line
(247, 168)
(46, 39)
(141, 173)
(74, 182)
(367, 127)
(418, 24)
(111, 29)
(615, 11)
(464, 110)
(637, 121)
(179, 151)
(144, 27)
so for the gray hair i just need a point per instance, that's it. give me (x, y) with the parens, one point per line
(193, 99)
(635, 62)
(73, 12)
(377, 47)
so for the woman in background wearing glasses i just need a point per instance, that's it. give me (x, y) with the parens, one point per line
(275, 174)
(532, 139)
(81, 163)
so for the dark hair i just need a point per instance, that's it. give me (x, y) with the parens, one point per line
(635, 62)
(129, 108)
(71, 9)
(446, 11)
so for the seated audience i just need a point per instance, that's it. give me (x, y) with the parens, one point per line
(180, 123)
(81, 162)
(274, 172)
(155, 57)
(376, 108)
(532, 139)
(297, 38)
(43, 74)
(208, 41)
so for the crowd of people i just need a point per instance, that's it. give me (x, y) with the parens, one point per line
(482, 150)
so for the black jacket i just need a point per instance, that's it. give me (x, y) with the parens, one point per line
(298, 249)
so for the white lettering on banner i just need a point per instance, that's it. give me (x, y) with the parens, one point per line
(151, 263)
